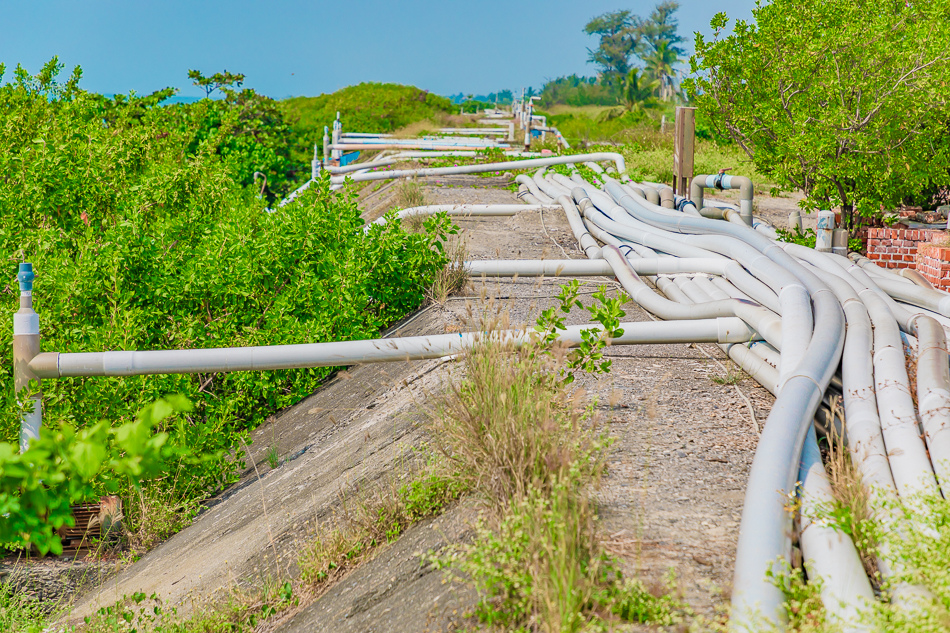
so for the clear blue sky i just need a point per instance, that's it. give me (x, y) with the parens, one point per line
(291, 48)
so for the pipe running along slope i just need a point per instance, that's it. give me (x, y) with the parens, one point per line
(276, 357)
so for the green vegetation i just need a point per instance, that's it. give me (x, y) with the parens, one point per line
(588, 356)
(18, 614)
(365, 107)
(915, 544)
(531, 451)
(845, 100)
(66, 465)
(143, 237)
(624, 40)
(577, 91)
(331, 551)
(920, 540)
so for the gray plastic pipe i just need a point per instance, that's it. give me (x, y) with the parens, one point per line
(531, 163)
(584, 239)
(588, 267)
(873, 269)
(765, 374)
(463, 210)
(641, 294)
(830, 556)
(916, 277)
(862, 422)
(724, 181)
(527, 181)
(916, 295)
(757, 254)
(933, 395)
(667, 242)
(764, 530)
(907, 454)
(276, 357)
(526, 196)
(549, 188)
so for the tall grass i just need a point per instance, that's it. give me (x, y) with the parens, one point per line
(532, 451)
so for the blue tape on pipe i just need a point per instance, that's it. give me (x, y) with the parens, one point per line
(25, 277)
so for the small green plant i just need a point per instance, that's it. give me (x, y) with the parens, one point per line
(273, 457)
(20, 615)
(451, 278)
(532, 451)
(803, 606)
(65, 466)
(379, 520)
(409, 194)
(798, 236)
(732, 377)
(588, 356)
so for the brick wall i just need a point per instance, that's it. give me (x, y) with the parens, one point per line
(897, 248)
(933, 262)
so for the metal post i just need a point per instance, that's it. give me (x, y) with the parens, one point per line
(683, 148)
(26, 345)
(839, 242)
(529, 109)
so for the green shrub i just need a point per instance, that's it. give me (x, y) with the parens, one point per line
(143, 237)
(66, 466)
(365, 107)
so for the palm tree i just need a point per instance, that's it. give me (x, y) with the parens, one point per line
(659, 64)
(636, 94)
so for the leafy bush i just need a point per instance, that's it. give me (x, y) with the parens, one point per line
(143, 238)
(67, 465)
(844, 100)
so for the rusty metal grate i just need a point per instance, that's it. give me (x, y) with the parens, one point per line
(88, 522)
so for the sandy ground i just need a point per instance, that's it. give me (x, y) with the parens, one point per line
(670, 503)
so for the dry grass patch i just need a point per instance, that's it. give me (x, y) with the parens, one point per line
(532, 450)
(452, 277)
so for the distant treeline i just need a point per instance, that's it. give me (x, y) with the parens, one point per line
(503, 97)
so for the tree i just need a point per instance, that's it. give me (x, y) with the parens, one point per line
(844, 99)
(654, 40)
(617, 42)
(218, 81)
(661, 27)
(659, 64)
(636, 94)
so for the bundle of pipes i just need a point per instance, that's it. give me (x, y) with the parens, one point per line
(799, 301)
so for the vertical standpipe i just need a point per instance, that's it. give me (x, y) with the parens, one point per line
(824, 231)
(26, 345)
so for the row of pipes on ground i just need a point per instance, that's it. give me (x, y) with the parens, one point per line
(810, 325)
